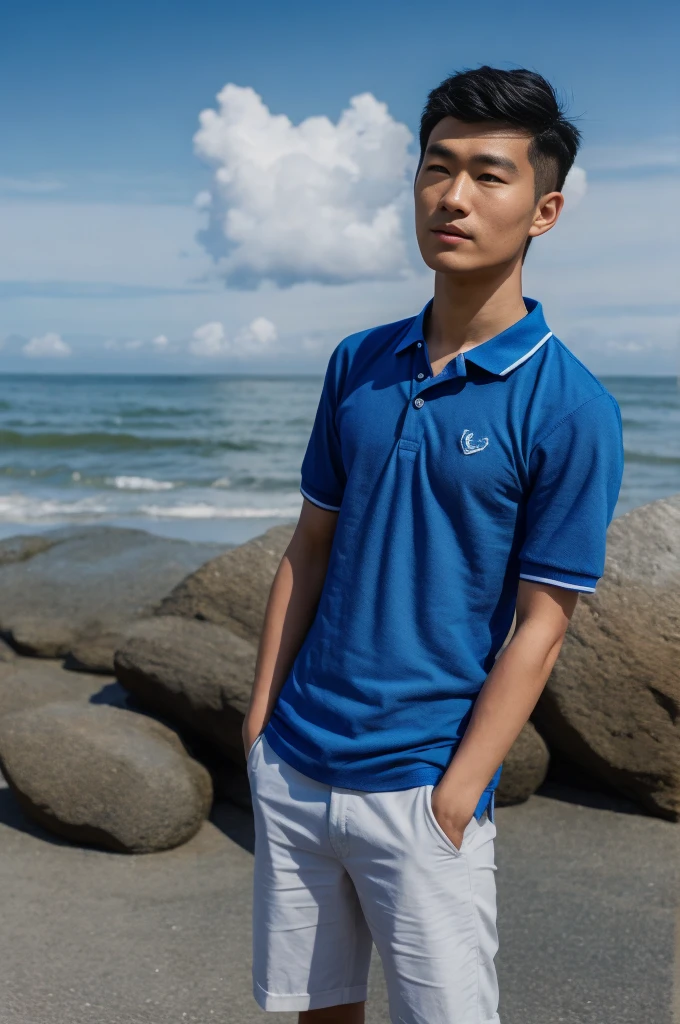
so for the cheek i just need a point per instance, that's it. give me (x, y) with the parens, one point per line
(424, 208)
(505, 219)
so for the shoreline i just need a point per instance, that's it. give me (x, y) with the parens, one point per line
(236, 530)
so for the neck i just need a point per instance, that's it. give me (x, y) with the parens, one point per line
(468, 311)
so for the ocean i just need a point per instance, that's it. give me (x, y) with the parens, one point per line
(218, 458)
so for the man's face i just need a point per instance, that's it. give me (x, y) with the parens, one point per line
(475, 179)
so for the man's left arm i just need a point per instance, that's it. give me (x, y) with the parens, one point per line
(505, 702)
(576, 472)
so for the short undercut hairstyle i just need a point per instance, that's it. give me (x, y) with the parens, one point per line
(520, 99)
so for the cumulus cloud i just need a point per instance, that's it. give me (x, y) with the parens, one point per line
(210, 340)
(48, 346)
(318, 201)
(258, 336)
(160, 343)
(575, 187)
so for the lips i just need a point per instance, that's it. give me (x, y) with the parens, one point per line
(450, 232)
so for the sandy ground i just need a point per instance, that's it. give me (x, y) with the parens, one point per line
(587, 892)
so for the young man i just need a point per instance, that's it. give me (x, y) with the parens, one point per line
(463, 465)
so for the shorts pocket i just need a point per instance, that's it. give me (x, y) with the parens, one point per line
(436, 828)
(255, 743)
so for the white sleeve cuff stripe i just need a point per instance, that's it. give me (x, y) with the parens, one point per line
(315, 501)
(557, 583)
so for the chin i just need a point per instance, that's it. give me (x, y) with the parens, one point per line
(448, 262)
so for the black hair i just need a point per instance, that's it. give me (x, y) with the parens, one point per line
(520, 98)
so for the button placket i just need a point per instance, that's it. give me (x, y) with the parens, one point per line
(412, 427)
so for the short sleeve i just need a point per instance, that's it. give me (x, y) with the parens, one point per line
(323, 474)
(576, 472)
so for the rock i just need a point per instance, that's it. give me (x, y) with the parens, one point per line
(104, 776)
(194, 662)
(94, 652)
(21, 547)
(232, 590)
(195, 673)
(30, 682)
(84, 586)
(524, 768)
(612, 703)
(7, 653)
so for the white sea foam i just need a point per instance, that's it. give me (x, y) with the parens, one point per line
(223, 481)
(17, 508)
(201, 510)
(139, 483)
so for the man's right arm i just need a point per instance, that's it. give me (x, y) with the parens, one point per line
(291, 608)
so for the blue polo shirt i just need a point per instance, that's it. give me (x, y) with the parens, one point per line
(449, 489)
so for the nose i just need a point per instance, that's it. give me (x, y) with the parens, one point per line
(457, 197)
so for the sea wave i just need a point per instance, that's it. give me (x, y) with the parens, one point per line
(652, 458)
(201, 510)
(139, 483)
(101, 440)
(22, 508)
(18, 508)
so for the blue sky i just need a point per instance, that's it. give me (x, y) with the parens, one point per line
(107, 256)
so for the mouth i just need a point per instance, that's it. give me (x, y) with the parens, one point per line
(451, 235)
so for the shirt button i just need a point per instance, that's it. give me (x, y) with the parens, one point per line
(419, 402)
(420, 376)
(420, 344)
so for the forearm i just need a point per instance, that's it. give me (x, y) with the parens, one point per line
(505, 702)
(290, 611)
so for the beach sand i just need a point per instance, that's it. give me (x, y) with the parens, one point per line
(587, 893)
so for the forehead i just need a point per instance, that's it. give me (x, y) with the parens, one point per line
(491, 136)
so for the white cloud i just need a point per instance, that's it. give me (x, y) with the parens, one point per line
(48, 346)
(203, 200)
(209, 340)
(259, 336)
(316, 201)
(160, 343)
(575, 188)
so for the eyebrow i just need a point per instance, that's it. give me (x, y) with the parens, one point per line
(490, 159)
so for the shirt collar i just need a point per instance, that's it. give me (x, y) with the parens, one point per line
(506, 350)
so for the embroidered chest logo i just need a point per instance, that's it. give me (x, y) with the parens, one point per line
(471, 446)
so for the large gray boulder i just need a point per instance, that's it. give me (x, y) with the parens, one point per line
(73, 591)
(23, 546)
(232, 590)
(612, 703)
(194, 662)
(31, 682)
(104, 776)
(524, 768)
(195, 674)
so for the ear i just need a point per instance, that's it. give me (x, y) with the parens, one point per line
(548, 210)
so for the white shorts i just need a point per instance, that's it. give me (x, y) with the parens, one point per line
(338, 869)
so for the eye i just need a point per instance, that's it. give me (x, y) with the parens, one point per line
(489, 176)
(438, 167)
